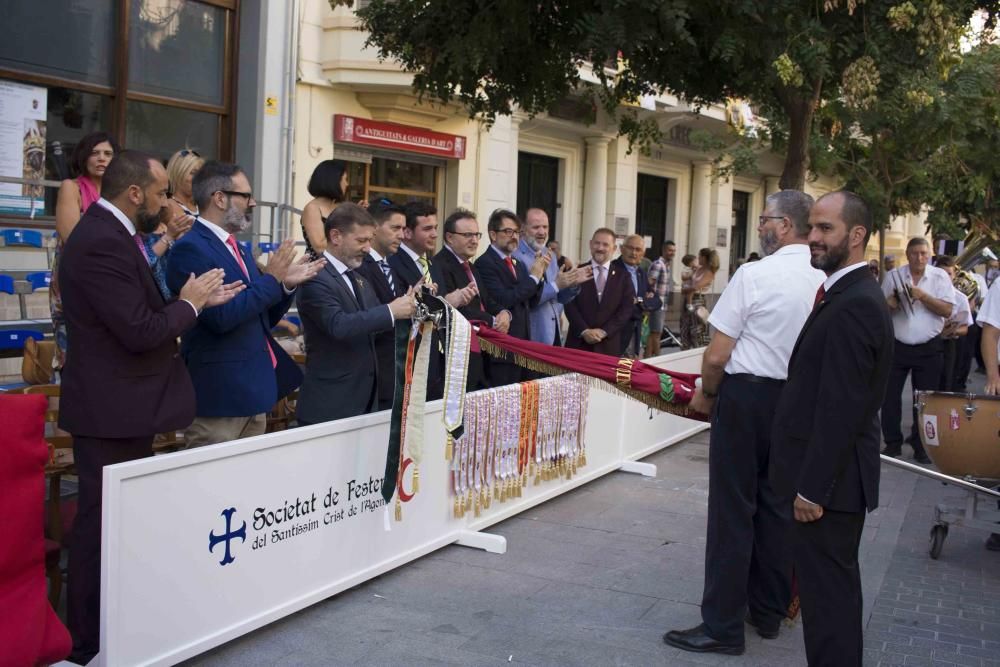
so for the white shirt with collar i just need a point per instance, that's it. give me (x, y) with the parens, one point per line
(920, 325)
(989, 312)
(840, 273)
(412, 253)
(376, 255)
(342, 270)
(764, 308)
(961, 313)
(130, 228)
(224, 237)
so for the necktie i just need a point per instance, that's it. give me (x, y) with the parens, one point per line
(424, 265)
(600, 280)
(468, 272)
(231, 242)
(510, 265)
(353, 278)
(387, 270)
(142, 247)
(820, 293)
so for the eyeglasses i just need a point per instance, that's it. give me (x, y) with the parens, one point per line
(762, 219)
(186, 152)
(234, 193)
(510, 231)
(469, 235)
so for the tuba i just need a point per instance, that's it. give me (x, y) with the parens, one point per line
(976, 250)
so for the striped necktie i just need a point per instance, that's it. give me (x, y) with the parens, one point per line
(387, 270)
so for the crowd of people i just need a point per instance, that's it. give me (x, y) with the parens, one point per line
(148, 256)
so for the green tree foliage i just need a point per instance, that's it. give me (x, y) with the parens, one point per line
(786, 56)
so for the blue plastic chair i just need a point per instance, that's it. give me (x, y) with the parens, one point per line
(29, 238)
(294, 319)
(268, 247)
(39, 279)
(13, 339)
(7, 284)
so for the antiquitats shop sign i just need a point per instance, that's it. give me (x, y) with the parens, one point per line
(393, 136)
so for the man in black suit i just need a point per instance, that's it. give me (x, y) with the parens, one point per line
(600, 313)
(461, 239)
(340, 315)
(413, 261)
(825, 444)
(509, 286)
(390, 221)
(633, 250)
(124, 380)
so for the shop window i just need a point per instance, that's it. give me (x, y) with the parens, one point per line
(69, 40)
(169, 40)
(161, 130)
(402, 181)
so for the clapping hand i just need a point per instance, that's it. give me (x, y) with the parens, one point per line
(198, 290)
(302, 271)
(461, 297)
(178, 226)
(224, 293)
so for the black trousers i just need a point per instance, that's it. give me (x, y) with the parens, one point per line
(924, 362)
(83, 596)
(747, 560)
(829, 583)
(949, 357)
(968, 347)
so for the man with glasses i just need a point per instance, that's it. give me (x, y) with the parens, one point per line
(238, 370)
(461, 242)
(510, 286)
(757, 321)
(633, 251)
(558, 287)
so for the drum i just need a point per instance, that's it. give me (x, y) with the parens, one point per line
(961, 432)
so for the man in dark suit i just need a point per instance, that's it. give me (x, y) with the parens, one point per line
(825, 444)
(340, 315)
(509, 285)
(413, 261)
(461, 239)
(599, 315)
(124, 381)
(238, 370)
(633, 250)
(390, 221)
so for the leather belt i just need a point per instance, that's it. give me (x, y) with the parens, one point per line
(756, 379)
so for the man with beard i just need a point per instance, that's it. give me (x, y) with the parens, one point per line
(826, 429)
(124, 381)
(510, 286)
(756, 321)
(239, 371)
(558, 287)
(600, 313)
(340, 316)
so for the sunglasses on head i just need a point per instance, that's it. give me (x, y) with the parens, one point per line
(186, 152)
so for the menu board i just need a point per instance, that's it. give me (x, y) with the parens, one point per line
(22, 147)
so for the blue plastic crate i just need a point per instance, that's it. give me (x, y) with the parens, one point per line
(39, 279)
(7, 284)
(13, 339)
(268, 247)
(22, 237)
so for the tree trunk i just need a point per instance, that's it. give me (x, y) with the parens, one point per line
(800, 116)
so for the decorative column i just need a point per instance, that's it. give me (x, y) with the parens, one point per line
(701, 208)
(771, 185)
(595, 191)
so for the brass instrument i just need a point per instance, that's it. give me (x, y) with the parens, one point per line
(903, 293)
(977, 249)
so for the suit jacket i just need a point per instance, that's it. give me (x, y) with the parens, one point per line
(409, 271)
(226, 353)
(825, 444)
(546, 315)
(505, 292)
(612, 313)
(634, 328)
(341, 370)
(385, 343)
(124, 377)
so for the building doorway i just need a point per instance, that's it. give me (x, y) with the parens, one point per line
(538, 186)
(651, 211)
(738, 233)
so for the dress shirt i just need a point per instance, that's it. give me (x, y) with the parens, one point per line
(504, 257)
(983, 287)
(989, 313)
(961, 314)
(413, 255)
(130, 228)
(224, 236)
(764, 307)
(376, 256)
(633, 271)
(342, 270)
(921, 325)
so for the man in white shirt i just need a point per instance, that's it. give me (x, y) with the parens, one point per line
(757, 320)
(989, 320)
(956, 330)
(920, 298)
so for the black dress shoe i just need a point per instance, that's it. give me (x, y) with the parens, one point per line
(993, 542)
(767, 632)
(697, 640)
(892, 451)
(921, 457)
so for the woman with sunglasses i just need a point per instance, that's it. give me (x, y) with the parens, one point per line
(328, 187)
(177, 218)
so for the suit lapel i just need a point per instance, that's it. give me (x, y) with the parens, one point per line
(339, 284)
(844, 283)
(222, 253)
(144, 275)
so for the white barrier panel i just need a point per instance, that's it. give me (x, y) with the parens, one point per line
(206, 545)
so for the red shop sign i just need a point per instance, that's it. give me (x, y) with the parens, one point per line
(354, 130)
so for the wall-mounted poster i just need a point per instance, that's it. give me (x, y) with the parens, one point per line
(22, 147)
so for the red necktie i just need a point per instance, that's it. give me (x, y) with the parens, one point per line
(510, 265)
(474, 347)
(231, 242)
(820, 293)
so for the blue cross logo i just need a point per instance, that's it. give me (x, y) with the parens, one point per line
(228, 536)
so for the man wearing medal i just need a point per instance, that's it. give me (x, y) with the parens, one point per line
(756, 322)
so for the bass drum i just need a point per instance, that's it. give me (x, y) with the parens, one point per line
(961, 432)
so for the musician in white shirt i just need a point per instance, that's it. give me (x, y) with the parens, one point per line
(956, 330)
(921, 299)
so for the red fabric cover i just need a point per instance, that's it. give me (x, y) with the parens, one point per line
(30, 631)
(644, 378)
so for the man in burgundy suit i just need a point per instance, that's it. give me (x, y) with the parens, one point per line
(126, 381)
(599, 315)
